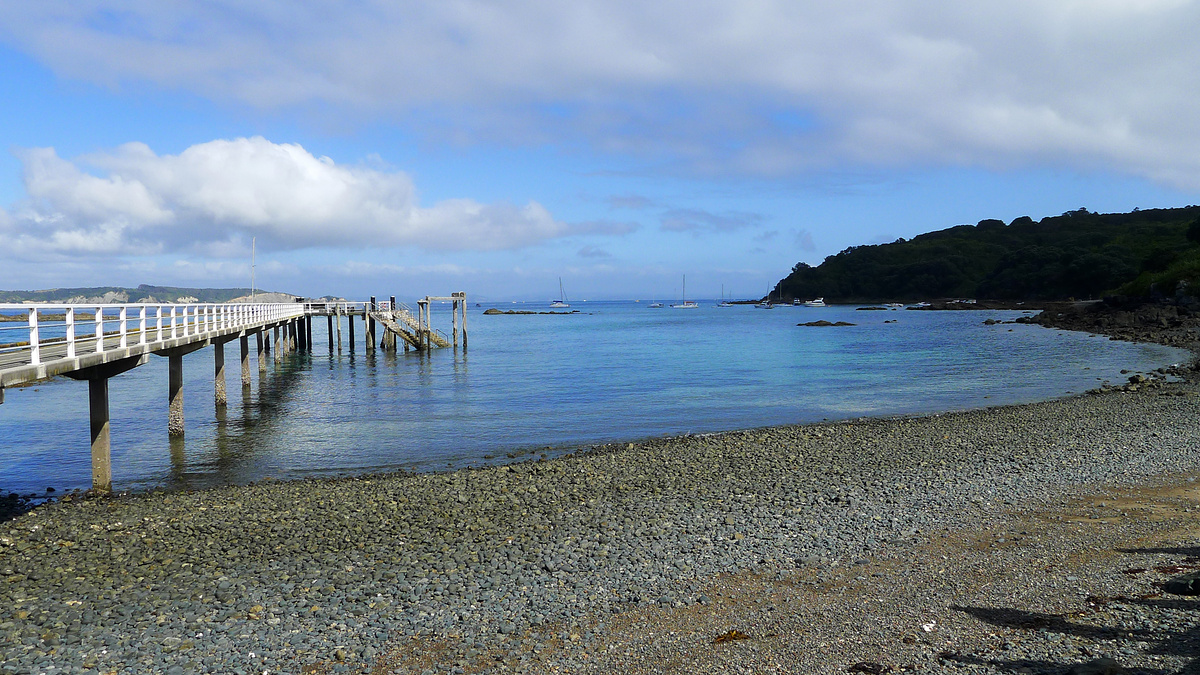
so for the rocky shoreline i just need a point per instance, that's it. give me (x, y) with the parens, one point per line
(337, 575)
(630, 557)
(1174, 322)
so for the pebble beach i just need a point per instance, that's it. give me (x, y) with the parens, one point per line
(549, 566)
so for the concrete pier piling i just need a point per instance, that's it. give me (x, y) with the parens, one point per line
(175, 395)
(262, 353)
(219, 394)
(244, 350)
(101, 444)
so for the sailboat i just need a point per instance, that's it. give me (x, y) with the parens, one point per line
(562, 297)
(724, 302)
(685, 304)
(766, 303)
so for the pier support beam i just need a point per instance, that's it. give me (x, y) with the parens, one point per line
(262, 353)
(278, 349)
(329, 322)
(101, 444)
(97, 378)
(219, 394)
(175, 384)
(244, 345)
(175, 396)
(349, 324)
(308, 341)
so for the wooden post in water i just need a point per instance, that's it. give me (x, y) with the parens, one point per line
(175, 395)
(454, 321)
(101, 444)
(308, 341)
(278, 347)
(350, 325)
(244, 343)
(219, 395)
(464, 320)
(329, 325)
(390, 334)
(339, 331)
(370, 325)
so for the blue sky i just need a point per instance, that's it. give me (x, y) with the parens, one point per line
(417, 148)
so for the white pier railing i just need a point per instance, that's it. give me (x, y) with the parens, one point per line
(59, 338)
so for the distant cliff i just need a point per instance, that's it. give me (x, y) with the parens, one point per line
(116, 294)
(1079, 255)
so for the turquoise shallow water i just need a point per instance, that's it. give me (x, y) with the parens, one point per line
(616, 371)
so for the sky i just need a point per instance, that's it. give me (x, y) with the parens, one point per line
(372, 147)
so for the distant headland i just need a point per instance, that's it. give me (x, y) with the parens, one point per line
(143, 293)
(1078, 255)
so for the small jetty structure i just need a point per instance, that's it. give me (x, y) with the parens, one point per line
(95, 342)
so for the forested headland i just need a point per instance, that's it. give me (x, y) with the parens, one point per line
(1079, 255)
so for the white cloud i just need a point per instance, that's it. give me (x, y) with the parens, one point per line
(1094, 84)
(213, 197)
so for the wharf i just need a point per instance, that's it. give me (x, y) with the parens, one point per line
(95, 342)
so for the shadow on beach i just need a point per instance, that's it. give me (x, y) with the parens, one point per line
(1148, 624)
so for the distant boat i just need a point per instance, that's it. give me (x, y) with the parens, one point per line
(724, 302)
(894, 305)
(685, 304)
(562, 297)
(819, 302)
(655, 305)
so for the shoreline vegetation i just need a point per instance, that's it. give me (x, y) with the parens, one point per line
(1015, 539)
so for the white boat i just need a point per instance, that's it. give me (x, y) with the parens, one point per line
(655, 305)
(685, 303)
(894, 305)
(562, 297)
(724, 302)
(818, 302)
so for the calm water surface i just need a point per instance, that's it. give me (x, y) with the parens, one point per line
(614, 372)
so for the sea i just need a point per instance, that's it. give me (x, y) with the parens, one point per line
(542, 385)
